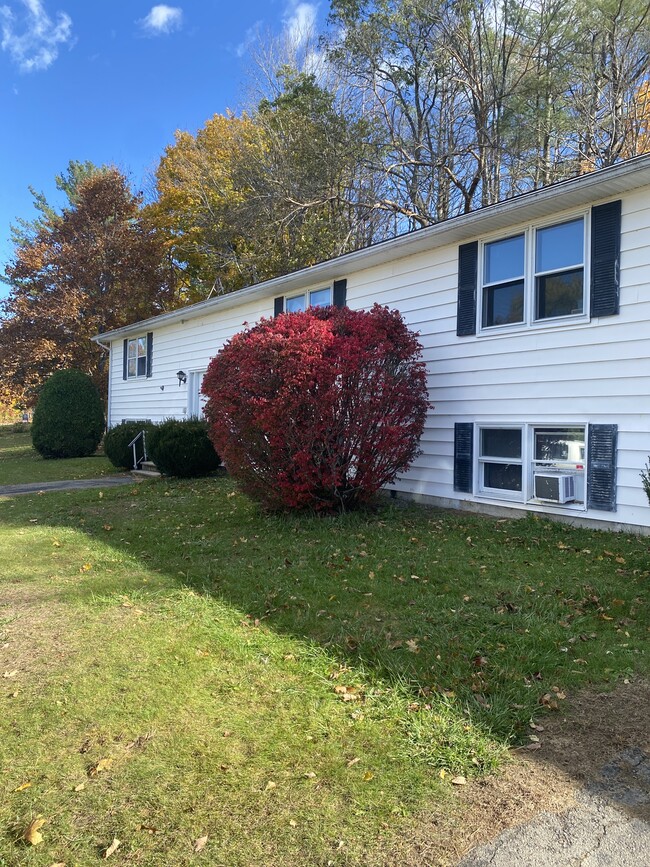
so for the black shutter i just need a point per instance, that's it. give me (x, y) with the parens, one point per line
(467, 275)
(463, 456)
(605, 258)
(601, 468)
(125, 353)
(278, 306)
(339, 293)
(149, 353)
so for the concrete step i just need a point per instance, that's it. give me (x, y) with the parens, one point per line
(148, 470)
(146, 474)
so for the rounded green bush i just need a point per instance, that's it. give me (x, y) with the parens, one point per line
(117, 439)
(69, 416)
(182, 448)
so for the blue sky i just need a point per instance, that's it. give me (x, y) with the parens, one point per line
(111, 80)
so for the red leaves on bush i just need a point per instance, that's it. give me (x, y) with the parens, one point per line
(319, 409)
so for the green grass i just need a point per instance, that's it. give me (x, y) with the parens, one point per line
(21, 464)
(228, 641)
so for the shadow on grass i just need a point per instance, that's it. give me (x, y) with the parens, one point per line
(502, 618)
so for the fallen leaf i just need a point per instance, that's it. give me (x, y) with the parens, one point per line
(368, 776)
(24, 786)
(58, 864)
(459, 781)
(270, 785)
(32, 834)
(412, 645)
(80, 787)
(115, 845)
(12, 673)
(101, 766)
(353, 762)
(310, 775)
(293, 823)
(200, 843)
(347, 693)
(442, 774)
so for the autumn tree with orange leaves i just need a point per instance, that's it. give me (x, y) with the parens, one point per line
(96, 266)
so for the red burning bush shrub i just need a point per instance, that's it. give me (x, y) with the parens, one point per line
(318, 409)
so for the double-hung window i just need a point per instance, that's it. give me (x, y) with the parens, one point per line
(560, 270)
(315, 298)
(535, 275)
(136, 355)
(500, 461)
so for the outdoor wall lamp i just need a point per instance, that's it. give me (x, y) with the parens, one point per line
(182, 377)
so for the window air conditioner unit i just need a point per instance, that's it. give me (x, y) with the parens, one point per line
(555, 487)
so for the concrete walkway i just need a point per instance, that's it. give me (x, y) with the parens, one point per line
(606, 828)
(69, 485)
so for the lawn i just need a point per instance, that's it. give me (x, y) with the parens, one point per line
(178, 666)
(21, 464)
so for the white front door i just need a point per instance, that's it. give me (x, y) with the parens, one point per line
(196, 400)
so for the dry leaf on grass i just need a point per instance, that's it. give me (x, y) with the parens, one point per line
(115, 845)
(200, 843)
(459, 781)
(32, 833)
(24, 786)
(347, 693)
(101, 766)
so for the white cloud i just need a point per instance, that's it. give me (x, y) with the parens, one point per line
(162, 19)
(300, 22)
(33, 39)
(250, 38)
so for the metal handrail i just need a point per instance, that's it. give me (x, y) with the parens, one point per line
(142, 435)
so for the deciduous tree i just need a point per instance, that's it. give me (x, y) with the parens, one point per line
(95, 266)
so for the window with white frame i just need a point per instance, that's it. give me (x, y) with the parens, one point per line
(536, 275)
(315, 298)
(136, 357)
(532, 463)
(500, 457)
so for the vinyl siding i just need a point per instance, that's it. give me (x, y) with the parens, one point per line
(576, 372)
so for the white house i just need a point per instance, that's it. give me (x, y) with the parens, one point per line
(534, 315)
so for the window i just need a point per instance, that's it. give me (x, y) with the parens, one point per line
(559, 270)
(317, 298)
(541, 275)
(136, 357)
(534, 276)
(503, 281)
(532, 463)
(500, 460)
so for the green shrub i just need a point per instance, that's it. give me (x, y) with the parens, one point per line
(117, 439)
(69, 417)
(182, 448)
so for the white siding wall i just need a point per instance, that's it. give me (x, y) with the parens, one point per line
(597, 371)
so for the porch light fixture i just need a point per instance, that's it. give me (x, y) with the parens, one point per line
(182, 377)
